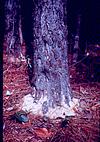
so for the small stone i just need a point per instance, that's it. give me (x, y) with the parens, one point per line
(21, 116)
(24, 118)
(8, 93)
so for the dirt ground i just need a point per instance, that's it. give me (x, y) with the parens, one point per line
(84, 127)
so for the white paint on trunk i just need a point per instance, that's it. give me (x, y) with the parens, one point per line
(31, 105)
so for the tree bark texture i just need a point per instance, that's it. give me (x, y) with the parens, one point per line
(12, 31)
(51, 78)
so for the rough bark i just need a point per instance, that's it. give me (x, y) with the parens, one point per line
(12, 30)
(51, 66)
(52, 92)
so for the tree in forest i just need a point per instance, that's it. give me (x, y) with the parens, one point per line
(45, 35)
(13, 36)
(52, 95)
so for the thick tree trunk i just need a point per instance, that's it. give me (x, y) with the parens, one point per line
(12, 30)
(51, 66)
(52, 93)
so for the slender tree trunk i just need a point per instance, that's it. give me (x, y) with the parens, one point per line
(52, 93)
(12, 31)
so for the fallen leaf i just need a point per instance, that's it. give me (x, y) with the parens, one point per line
(42, 132)
(20, 116)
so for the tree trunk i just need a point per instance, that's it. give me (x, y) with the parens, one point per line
(52, 93)
(12, 30)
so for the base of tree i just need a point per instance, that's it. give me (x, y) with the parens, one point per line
(35, 107)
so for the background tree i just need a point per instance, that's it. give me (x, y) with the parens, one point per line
(89, 26)
(12, 27)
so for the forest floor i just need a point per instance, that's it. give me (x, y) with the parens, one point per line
(84, 127)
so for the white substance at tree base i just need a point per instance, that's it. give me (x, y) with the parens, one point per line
(30, 105)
